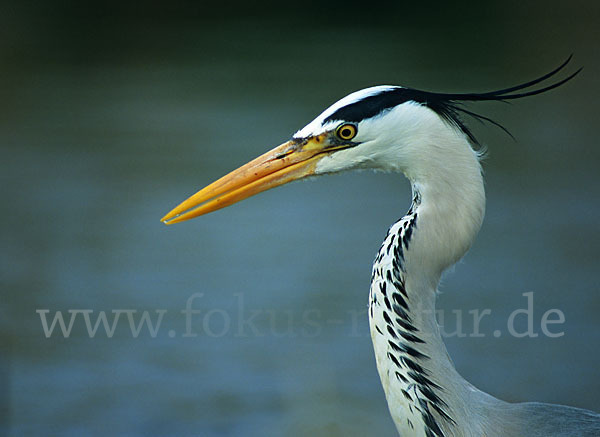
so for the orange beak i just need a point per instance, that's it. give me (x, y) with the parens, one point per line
(292, 160)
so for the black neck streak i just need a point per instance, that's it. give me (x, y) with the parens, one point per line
(390, 298)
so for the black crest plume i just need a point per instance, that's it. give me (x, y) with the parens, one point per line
(447, 105)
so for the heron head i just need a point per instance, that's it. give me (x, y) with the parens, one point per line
(388, 128)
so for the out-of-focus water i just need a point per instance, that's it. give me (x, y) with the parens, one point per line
(94, 153)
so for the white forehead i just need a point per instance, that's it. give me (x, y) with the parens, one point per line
(318, 125)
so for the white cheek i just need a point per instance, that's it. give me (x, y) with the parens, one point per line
(330, 164)
(347, 159)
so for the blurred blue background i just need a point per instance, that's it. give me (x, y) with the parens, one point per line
(111, 114)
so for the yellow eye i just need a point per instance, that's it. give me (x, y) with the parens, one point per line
(346, 131)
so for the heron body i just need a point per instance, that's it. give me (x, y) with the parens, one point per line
(421, 135)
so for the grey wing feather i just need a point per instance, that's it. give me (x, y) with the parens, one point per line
(549, 420)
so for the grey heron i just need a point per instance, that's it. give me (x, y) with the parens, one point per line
(420, 134)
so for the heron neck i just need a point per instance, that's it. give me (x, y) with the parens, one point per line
(415, 368)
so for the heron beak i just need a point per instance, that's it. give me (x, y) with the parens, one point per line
(292, 160)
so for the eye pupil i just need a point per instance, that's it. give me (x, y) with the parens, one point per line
(346, 132)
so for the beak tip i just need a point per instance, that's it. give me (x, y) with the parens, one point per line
(168, 219)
